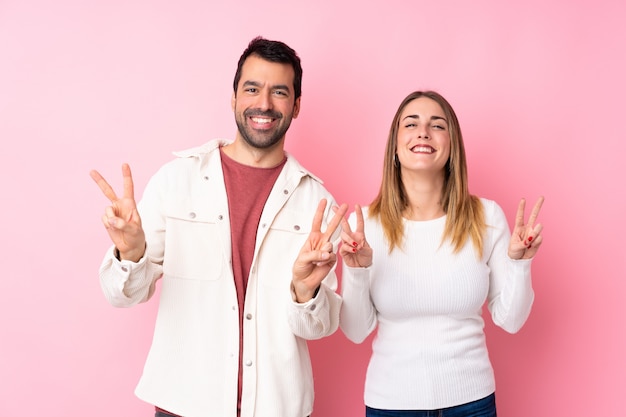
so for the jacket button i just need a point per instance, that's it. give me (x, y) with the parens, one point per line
(192, 215)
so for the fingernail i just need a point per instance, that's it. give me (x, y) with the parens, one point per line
(530, 238)
(354, 250)
(354, 244)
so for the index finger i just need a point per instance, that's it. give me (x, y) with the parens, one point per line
(535, 212)
(519, 217)
(334, 223)
(106, 189)
(345, 226)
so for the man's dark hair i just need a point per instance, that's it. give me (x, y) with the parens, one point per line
(273, 51)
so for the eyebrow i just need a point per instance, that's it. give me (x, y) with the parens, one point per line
(415, 116)
(258, 84)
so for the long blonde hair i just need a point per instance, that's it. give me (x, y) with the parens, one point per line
(465, 217)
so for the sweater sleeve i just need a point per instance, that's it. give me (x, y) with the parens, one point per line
(510, 287)
(358, 314)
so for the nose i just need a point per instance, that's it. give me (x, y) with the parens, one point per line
(264, 101)
(422, 133)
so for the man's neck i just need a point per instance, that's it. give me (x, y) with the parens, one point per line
(245, 154)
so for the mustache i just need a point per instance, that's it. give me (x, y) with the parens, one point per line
(263, 113)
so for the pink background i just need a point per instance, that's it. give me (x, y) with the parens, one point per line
(539, 89)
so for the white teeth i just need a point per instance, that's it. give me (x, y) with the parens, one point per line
(261, 121)
(423, 149)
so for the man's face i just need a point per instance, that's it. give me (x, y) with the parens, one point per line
(264, 103)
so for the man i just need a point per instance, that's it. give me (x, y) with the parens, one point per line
(235, 231)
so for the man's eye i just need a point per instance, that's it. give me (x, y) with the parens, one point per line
(250, 90)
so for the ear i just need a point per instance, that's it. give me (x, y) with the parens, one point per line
(296, 107)
(233, 100)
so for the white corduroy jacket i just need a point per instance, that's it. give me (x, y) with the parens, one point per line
(192, 366)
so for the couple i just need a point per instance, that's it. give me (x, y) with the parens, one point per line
(245, 240)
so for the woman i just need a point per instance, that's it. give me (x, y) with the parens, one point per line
(433, 255)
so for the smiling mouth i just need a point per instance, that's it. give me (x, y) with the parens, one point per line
(422, 149)
(261, 120)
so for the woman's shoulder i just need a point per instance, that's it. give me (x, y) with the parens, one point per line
(492, 211)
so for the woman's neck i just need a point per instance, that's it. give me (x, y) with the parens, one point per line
(424, 196)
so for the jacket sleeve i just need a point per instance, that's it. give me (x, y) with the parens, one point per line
(510, 287)
(318, 317)
(126, 283)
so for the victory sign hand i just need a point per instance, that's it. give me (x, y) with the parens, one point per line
(526, 238)
(316, 258)
(121, 219)
(355, 250)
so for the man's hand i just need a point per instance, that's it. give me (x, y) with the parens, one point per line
(316, 258)
(121, 218)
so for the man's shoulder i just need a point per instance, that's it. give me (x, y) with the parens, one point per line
(295, 166)
(204, 149)
(189, 161)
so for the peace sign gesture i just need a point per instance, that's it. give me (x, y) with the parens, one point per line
(121, 218)
(355, 250)
(526, 238)
(316, 258)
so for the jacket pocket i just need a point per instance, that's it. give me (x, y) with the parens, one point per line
(193, 249)
(284, 239)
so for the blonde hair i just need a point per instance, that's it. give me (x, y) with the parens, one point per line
(465, 218)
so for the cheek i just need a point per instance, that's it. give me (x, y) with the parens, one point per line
(446, 144)
(402, 139)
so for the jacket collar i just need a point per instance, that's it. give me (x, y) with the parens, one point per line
(211, 146)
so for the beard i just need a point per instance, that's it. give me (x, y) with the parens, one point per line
(262, 139)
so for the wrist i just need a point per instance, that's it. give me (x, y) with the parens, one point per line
(302, 297)
(132, 255)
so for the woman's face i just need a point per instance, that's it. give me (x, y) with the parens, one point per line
(423, 136)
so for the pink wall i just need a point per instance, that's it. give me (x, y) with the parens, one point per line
(539, 89)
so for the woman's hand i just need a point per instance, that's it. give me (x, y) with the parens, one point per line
(526, 238)
(355, 250)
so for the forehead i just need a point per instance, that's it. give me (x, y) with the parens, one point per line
(258, 70)
(423, 106)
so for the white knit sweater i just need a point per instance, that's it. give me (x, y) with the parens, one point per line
(430, 350)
